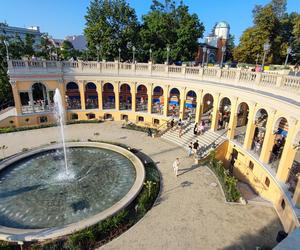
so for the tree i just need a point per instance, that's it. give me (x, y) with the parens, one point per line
(167, 25)
(110, 24)
(229, 48)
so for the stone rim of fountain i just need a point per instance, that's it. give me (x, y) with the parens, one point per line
(16, 234)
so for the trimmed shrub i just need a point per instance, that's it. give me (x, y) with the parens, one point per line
(83, 240)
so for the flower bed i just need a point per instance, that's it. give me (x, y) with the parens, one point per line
(228, 182)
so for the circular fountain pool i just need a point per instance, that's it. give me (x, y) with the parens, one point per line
(36, 192)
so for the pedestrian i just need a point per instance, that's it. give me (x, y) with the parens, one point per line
(195, 147)
(201, 128)
(180, 129)
(195, 128)
(149, 132)
(175, 166)
(190, 149)
(172, 123)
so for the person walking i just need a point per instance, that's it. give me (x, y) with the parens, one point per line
(181, 125)
(175, 166)
(190, 149)
(195, 147)
(195, 128)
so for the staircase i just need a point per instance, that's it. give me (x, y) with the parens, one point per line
(206, 141)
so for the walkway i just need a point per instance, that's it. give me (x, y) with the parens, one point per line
(190, 212)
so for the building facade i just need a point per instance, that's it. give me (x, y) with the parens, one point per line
(11, 32)
(260, 111)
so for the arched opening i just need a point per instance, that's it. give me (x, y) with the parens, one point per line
(295, 170)
(174, 102)
(141, 98)
(91, 96)
(280, 132)
(207, 108)
(261, 119)
(190, 104)
(158, 100)
(125, 97)
(108, 96)
(40, 97)
(73, 96)
(242, 122)
(224, 113)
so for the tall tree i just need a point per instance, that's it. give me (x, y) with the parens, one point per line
(110, 25)
(170, 25)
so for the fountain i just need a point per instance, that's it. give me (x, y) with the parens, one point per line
(65, 187)
(60, 116)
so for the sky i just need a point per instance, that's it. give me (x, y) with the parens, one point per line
(60, 18)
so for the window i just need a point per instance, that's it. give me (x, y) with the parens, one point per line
(267, 182)
(74, 116)
(124, 117)
(91, 116)
(283, 204)
(43, 119)
(156, 121)
(251, 165)
(107, 116)
(141, 118)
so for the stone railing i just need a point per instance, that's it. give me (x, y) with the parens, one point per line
(238, 77)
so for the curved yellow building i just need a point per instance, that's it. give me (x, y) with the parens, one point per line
(260, 112)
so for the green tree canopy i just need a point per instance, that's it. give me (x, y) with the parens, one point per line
(271, 24)
(110, 25)
(170, 25)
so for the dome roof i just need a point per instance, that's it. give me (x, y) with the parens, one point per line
(222, 24)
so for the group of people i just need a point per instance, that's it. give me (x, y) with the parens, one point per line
(73, 103)
(193, 148)
(180, 126)
(199, 129)
(223, 120)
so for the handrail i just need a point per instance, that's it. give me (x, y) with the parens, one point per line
(160, 133)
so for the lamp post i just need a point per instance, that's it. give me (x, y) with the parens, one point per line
(133, 54)
(150, 54)
(97, 47)
(208, 51)
(168, 52)
(288, 51)
(257, 57)
(204, 49)
(223, 51)
(6, 47)
(266, 48)
(119, 49)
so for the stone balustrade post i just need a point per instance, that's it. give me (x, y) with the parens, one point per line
(279, 81)
(258, 78)
(133, 68)
(183, 69)
(150, 67)
(219, 73)
(237, 76)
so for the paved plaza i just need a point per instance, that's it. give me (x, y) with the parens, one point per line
(190, 213)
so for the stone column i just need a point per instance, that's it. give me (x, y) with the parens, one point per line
(31, 99)
(16, 96)
(133, 96)
(296, 196)
(166, 100)
(288, 154)
(233, 118)
(117, 95)
(182, 103)
(82, 94)
(215, 112)
(149, 94)
(269, 139)
(199, 107)
(99, 85)
(250, 127)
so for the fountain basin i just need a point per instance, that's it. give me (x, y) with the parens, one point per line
(39, 200)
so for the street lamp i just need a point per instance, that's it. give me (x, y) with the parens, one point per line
(133, 54)
(168, 52)
(6, 47)
(257, 57)
(119, 49)
(266, 48)
(97, 47)
(150, 52)
(223, 51)
(208, 51)
(204, 49)
(288, 51)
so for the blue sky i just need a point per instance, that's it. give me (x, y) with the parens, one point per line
(66, 17)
